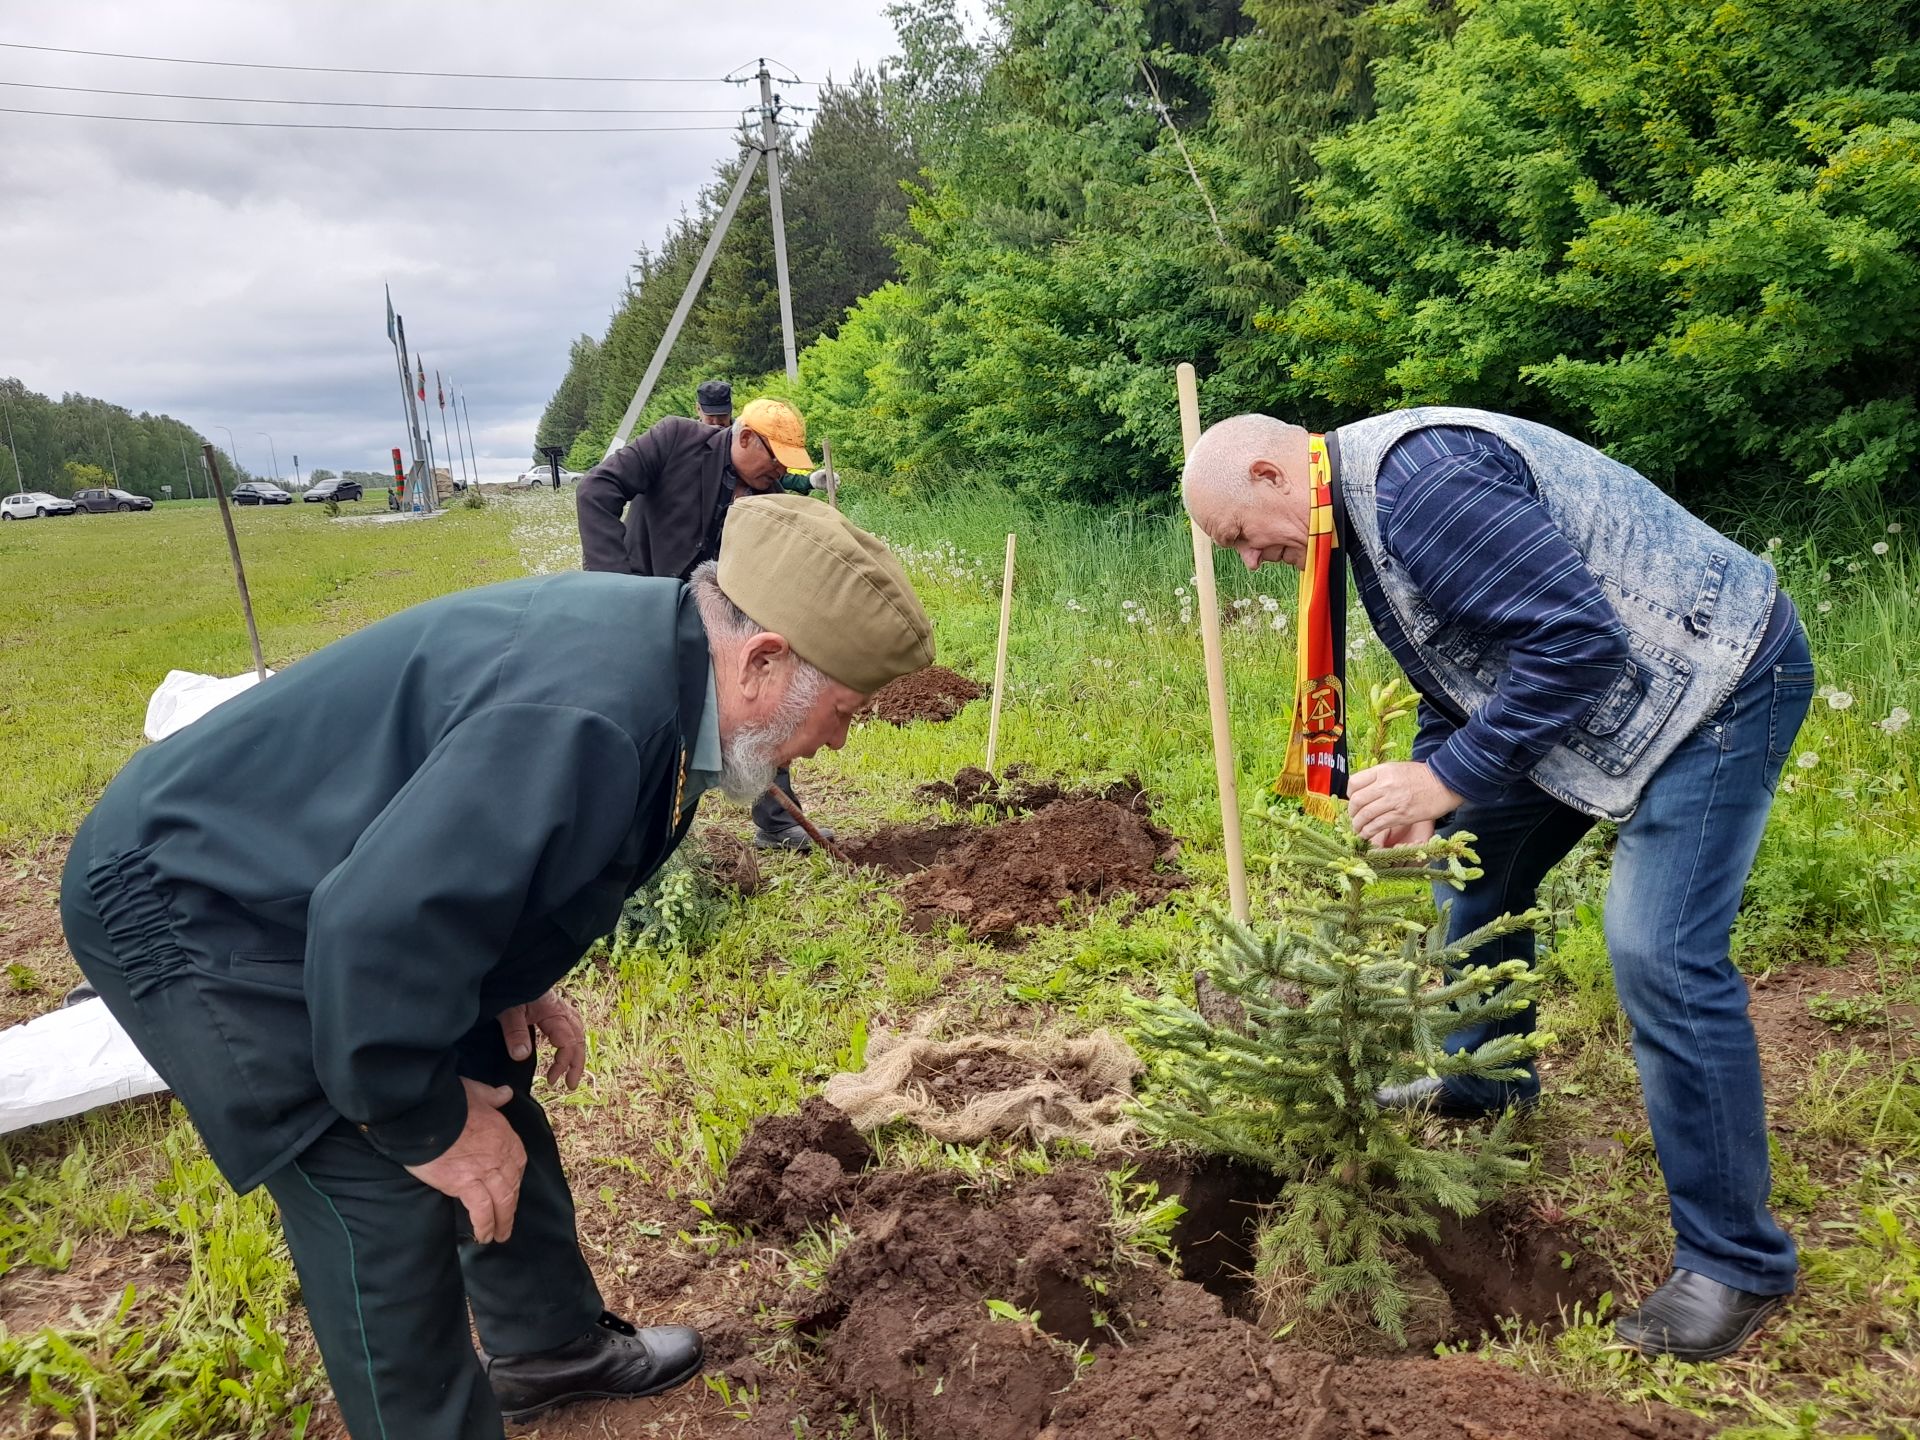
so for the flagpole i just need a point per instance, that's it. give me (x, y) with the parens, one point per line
(427, 496)
(417, 445)
(460, 403)
(465, 479)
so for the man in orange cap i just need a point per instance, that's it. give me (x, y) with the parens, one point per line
(658, 505)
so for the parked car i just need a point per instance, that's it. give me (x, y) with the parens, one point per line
(260, 492)
(33, 505)
(334, 490)
(540, 475)
(97, 501)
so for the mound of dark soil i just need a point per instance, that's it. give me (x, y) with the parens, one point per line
(794, 1170)
(996, 879)
(935, 693)
(905, 1334)
(1020, 791)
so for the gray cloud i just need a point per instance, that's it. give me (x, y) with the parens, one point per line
(233, 277)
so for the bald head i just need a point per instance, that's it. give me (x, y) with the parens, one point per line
(1245, 485)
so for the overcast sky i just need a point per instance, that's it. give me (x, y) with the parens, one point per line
(233, 276)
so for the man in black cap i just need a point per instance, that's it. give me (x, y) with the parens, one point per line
(657, 506)
(714, 401)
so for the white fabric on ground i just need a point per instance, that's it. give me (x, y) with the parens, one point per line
(67, 1063)
(183, 697)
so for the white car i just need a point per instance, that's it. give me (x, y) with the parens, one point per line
(34, 505)
(540, 475)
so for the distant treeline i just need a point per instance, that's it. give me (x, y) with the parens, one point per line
(77, 442)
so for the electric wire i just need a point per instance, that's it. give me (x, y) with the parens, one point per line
(363, 104)
(368, 70)
(384, 129)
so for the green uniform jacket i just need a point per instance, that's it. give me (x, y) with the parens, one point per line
(319, 889)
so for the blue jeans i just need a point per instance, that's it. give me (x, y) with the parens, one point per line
(1678, 873)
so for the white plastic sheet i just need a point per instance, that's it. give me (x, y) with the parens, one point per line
(183, 697)
(67, 1063)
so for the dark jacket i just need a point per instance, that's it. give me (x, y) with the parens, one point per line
(669, 482)
(318, 890)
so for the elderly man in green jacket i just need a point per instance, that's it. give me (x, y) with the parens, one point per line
(331, 915)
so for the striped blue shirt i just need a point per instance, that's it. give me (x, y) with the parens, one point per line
(1459, 512)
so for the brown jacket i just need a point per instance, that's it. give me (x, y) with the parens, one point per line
(668, 482)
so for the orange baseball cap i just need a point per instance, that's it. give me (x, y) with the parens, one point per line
(782, 427)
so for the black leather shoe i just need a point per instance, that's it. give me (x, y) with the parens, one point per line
(612, 1361)
(1694, 1318)
(787, 837)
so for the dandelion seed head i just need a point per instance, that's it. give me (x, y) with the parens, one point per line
(1807, 760)
(1880, 547)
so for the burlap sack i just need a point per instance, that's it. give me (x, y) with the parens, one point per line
(1050, 1106)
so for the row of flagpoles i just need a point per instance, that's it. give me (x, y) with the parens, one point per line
(422, 491)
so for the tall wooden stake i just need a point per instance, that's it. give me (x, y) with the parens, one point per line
(233, 551)
(1000, 660)
(833, 480)
(1209, 607)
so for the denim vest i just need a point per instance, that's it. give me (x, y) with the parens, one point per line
(1694, 604)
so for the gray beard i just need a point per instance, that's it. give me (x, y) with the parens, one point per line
(747, 766)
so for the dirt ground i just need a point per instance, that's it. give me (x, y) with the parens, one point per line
(1090, 1341)
(1057, 849)
(35, 968)
(935, 693)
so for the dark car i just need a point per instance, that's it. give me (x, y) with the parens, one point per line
(334, 490)
(260, 492)
(98, 501)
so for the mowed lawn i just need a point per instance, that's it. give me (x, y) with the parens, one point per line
(99, 607)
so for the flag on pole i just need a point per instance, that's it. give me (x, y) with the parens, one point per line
(439, 389)
(390, 316)
(423, 376)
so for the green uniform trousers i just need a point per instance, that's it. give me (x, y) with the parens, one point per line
(387, 1266)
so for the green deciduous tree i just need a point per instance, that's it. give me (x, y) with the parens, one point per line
(1685, 231)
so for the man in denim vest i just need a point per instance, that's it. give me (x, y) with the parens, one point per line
(1585, 649)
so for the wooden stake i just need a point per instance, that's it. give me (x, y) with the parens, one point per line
(833, 480)
(233, 550)
(1000, 660)
(1209, 607)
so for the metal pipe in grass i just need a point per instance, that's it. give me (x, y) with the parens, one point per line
(792, 807)
(233, 550)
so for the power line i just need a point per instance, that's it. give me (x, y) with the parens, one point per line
(359, 104)
(409, 129)
(361, 70)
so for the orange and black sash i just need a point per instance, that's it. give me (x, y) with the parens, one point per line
(1316, 768)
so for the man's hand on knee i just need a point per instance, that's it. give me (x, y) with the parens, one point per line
(482, 1168)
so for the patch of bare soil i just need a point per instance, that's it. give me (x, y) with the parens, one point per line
(1852, 1011)
(996, 879)
(935, 693)
(899, 1330)
(35, 969)
(1020, 791)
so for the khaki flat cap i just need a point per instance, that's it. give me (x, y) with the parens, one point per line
(801, 569)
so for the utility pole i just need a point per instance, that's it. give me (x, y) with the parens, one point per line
(770, 145)
(274, 452)
(19, 480)
(769, 150)
(233, 450)
(115, 464)
(184, 465)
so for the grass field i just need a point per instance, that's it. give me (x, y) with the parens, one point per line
(139, 1297)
